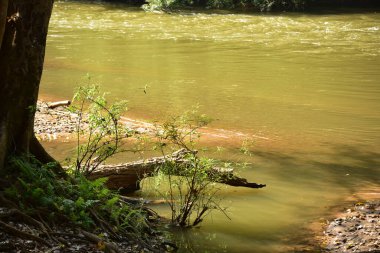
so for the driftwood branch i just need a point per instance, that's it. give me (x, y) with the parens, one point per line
(53, 105)
(127, 176)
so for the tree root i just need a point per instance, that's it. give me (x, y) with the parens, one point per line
(109, 247)
(74, 238)
(6, 202)
(56, 236)
(38, 150)
(4, 184)
(53, 249)
(13, 213)
(105, 225)
(21, 234)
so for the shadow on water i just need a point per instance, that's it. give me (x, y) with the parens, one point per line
(343, 165)
(303, 187)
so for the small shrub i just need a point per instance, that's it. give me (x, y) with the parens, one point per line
(191, 194)
(98, 127)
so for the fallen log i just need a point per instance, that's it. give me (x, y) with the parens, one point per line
(127, 176)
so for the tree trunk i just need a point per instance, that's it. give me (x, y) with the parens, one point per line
(23, 32)
(3, 18)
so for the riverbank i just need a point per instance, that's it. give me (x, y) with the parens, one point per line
(59, 123)
(65, 237)
(354, 227)
(26, 228)
(355, 230)
(328, 237)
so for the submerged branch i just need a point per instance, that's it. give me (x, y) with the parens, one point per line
(126, 176)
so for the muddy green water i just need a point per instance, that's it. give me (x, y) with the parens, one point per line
(304, 87)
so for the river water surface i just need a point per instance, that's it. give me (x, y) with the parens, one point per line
(305, 88)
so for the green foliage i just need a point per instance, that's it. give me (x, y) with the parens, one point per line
(38, 188)
(182, 131)
(221, 4)
(98, 125)
(191, 194)
(268, 5)
(164, 5)
(262, 5)
(158, 5)
(246, 146)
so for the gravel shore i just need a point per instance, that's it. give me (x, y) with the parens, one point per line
(53, 123)
(60, 123)
(356, 230)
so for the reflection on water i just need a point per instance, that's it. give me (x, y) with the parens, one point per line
(307, 85)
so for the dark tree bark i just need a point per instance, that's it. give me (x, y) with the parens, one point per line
(3, 15)
(23, 32)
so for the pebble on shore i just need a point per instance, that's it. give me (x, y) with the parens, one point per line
(356, 230)
(60, 123)
(54, 123)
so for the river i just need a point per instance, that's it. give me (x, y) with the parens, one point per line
(303, 88)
